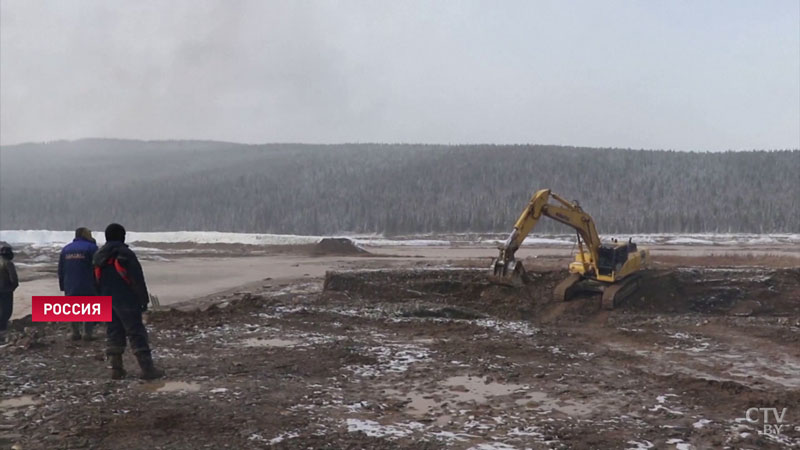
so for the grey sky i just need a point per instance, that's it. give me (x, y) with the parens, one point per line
(688, 75)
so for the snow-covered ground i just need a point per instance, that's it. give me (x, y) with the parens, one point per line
(48, 238)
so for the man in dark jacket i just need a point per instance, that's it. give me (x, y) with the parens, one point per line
(119, 274)
(76, 274)
(8, 283)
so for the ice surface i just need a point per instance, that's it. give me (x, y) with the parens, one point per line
(48, 238)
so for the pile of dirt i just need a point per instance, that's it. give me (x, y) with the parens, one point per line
(337, 246)
(740, 291)
(468, 290)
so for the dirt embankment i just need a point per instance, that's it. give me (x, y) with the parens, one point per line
(735, 291)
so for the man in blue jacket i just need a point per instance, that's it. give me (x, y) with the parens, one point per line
(76, 274)
(119, 275)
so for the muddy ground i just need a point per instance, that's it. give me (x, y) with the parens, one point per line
(423, 358)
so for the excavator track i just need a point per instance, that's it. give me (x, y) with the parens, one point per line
(615, 293)
(564, 289)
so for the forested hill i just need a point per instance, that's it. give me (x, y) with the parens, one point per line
(327, 189)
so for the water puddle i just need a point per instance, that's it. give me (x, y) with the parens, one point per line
(466, 389)
(277, 342)
(421, 404)
(541, 400)
(18, 402)
(171, 386)
(476, 389)
(12, 406)
(783, 373)
(443, 420)
(461, 389)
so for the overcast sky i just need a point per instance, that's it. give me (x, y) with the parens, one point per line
(686, 75)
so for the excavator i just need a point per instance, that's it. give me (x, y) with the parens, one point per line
(614, 269)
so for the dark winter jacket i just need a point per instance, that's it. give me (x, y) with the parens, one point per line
(8, 276)
(75, 269)
(125, 283)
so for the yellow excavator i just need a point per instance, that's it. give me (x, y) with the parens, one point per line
(614, 268)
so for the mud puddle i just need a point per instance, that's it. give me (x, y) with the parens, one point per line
(478, 390)
(17, 402)
(276, 342)
(543, 401)
(171, 386)
(10, 407)
(453, 390)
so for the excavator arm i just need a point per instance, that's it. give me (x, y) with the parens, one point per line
(564, 211)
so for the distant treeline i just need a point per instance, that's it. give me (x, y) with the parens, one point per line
(394, 189)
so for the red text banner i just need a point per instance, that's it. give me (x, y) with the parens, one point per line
(70, 309)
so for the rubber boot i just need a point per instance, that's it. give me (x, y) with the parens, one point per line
(87, 334)
(76, 332)
(2, 337)
(117, 371)
(149, 371)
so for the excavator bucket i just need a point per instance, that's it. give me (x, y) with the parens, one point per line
(507, 272)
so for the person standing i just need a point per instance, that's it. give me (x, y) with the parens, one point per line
(8, 283)
(76, 275)
(118, 274)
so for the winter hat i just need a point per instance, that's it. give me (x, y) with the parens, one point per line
(115, 232)
(6, 252)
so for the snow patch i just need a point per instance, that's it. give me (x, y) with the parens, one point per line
(689, 241)
(392, 358)
(284, 436)
(644, 445)
(450, 436)
(493, 446)
(701, 423)
(679, 444)
(375, 429)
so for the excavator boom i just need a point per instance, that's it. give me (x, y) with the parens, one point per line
(564, 211)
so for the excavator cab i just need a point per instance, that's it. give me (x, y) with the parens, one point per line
(611, 258)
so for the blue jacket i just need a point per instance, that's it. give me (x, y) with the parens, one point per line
(75, 269)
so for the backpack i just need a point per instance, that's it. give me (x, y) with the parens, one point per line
(121, 271)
